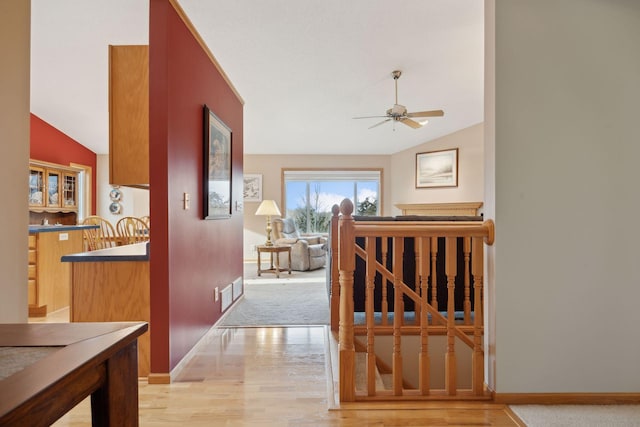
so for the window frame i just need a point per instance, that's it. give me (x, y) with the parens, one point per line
(336, 174)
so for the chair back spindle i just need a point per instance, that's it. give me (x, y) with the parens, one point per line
(102, 237)
(132, 230)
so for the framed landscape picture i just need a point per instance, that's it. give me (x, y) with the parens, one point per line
(217, 167)
(252, 188)
(437, 169)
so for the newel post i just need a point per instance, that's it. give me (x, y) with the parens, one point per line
(334, 284)
(346, 267)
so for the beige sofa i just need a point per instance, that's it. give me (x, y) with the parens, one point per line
(307, 252)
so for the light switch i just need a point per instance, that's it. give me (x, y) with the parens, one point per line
(63, 236)
(185, 201)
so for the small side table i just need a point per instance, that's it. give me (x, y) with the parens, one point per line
(277, 250)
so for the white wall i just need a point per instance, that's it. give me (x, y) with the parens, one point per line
(15, 28)
(567, 145)
(470, 143)
(134, 201)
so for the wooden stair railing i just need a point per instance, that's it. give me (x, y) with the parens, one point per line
(428, 320)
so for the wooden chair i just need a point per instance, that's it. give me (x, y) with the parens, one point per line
(132, 230)
(99, 238)
(147, 220)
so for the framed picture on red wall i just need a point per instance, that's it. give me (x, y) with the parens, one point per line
(217, 167)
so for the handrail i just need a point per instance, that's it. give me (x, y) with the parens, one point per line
(428, 318)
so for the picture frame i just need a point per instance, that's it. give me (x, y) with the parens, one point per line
(437, 169)
(217, 167)
(252, 187)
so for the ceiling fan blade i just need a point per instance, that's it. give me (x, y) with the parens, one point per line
(370, 117)
(432, 113)
(378, 124)
(411, 123)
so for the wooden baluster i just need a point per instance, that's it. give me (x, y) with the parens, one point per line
(467, 274)
(398, 315)
(334, 275)
(423, 358)
(434, 274)
(418, 288)
(477, 360)
(384, 304)
(346, 266)
(450, 357)
(370, 246)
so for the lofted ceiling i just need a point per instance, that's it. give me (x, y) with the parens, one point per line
(303, 68)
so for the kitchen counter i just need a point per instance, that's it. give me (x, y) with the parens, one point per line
(49, 279)
(134, 252)
(50, 228)
(113, 285)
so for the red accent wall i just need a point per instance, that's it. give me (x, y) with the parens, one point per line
(189, 256)
(50, 145)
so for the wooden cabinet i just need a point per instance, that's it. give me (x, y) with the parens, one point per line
(129, 115)
(36, 186)
(50, 279)
(52, 188)
(33, 266)
(70, 190)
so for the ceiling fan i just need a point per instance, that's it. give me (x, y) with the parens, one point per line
(398, 113)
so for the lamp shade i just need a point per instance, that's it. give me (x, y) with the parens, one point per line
(268, 207)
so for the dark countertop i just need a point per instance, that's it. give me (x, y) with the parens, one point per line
(134, 252)
(48, 228)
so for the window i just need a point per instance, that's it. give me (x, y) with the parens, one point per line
(310, 194)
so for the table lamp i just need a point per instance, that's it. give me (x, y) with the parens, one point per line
(268, 208)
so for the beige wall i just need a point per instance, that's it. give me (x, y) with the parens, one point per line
(270, 166)
(470, 187)
(398, 177)
(489, 192)
(566, 196)
(15, 27)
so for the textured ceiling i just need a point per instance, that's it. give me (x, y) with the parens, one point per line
(303, 68)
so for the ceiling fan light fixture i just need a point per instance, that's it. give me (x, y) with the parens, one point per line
(399, 113)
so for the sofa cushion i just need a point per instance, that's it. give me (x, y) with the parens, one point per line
(289, 228)
(317, 250)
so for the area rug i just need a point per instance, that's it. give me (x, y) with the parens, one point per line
(578, 415)
(281, 302)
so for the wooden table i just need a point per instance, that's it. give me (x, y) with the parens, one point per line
(275, 249)
(97, 359)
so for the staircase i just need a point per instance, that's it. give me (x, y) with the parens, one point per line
(423, 354)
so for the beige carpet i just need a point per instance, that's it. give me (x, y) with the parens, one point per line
(290, 300)
(251, 272)
(578, 415)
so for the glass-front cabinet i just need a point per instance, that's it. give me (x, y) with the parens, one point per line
(36, 186)
(52, 188)
(69, 190)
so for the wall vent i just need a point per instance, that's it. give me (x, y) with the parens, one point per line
(226, 297)
(238, 288)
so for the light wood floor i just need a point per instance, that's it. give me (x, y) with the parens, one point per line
(276, 377)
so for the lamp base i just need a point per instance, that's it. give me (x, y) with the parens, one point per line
(268, 242)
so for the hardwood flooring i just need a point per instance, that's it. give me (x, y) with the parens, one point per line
(278, 377)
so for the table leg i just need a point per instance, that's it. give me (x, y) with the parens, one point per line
(259, 271)
(116, 402)
(277, 264)
(289, 252)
